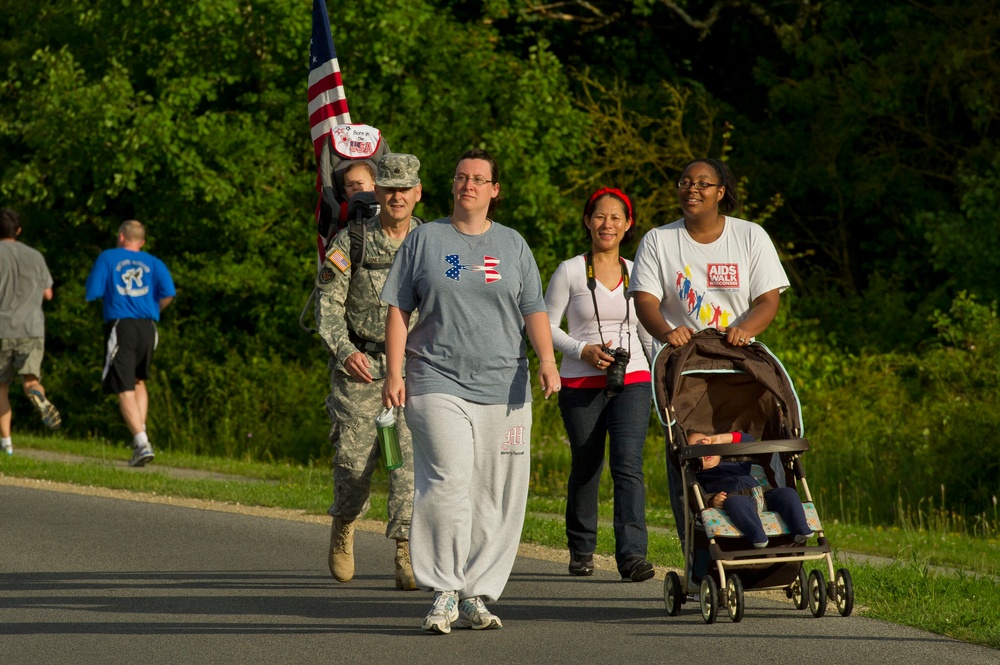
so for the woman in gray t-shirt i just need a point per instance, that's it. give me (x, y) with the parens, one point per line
(467, 393)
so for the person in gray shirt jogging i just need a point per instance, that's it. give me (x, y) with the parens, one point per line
(25, 282)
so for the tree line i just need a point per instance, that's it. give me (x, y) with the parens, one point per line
(864, 135)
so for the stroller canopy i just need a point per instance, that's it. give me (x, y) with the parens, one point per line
(709, 385)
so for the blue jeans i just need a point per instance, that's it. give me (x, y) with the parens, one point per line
(591, 417)
(785, 501)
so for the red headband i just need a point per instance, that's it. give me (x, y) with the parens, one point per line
(613, 191)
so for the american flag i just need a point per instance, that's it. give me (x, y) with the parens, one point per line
(327, 101)
(489, 266)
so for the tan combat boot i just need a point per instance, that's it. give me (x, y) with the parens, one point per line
(404, 572)
(342, 550)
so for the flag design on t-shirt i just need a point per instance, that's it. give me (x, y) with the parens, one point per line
(488, 267)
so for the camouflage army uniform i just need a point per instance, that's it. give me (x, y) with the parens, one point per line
(344, 302)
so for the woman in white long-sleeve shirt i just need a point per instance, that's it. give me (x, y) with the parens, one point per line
(589, 290)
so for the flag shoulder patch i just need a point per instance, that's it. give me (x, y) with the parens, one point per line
(337, 258)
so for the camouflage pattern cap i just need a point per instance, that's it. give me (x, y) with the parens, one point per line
(398, 170)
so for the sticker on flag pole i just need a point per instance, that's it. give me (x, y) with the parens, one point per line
(355, 141)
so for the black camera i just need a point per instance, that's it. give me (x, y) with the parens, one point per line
(616, 371)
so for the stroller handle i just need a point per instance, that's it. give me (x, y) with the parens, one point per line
(743, 449)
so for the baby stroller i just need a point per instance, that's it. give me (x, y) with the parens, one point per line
(709, 385)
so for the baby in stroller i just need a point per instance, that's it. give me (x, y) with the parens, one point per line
(707, 385)
(731, 487)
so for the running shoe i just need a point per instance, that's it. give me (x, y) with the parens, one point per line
(50, 416)
(141, 455)
(472, 613)
(443, 612)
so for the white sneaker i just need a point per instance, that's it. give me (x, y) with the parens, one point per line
(9, 449)
(472, 613)
(141, 455)
(443, 612)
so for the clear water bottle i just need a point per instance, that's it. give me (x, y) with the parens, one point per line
(388, 439)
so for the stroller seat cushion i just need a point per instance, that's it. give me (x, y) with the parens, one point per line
(717, 524)
(757, 471)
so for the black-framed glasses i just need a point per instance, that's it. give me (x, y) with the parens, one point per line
(478, 181)
(699, 185)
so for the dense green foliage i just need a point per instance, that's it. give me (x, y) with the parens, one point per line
(193, 119)
(865, 135)
(897, 432)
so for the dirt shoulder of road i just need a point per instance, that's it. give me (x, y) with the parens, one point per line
(375, 526)
(605, 563)
(526, 549)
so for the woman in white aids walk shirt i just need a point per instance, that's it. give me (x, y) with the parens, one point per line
(707, 270)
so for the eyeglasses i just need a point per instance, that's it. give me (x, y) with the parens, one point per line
(700, 185)
(478, 181)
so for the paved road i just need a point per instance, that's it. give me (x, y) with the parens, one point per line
(89, 579)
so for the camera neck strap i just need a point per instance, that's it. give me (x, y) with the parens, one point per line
(592, 285)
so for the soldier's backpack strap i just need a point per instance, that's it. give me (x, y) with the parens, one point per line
(305, 312)
(359, 239)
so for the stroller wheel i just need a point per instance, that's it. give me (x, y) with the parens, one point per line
(734, 597)
(816, 592)
(709, 599)
(797, 590)
(844, 588)
(672, 594)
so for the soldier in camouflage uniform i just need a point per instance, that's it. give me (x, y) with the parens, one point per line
(350, 316)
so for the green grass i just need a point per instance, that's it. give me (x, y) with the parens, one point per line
(909, 592)
(916, 587)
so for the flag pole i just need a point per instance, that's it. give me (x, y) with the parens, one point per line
(327, 100)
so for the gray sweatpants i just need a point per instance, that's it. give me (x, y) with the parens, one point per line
(471, 466)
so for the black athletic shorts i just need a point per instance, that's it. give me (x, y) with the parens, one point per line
(129, 344)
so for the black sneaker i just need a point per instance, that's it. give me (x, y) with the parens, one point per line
(581, 565)
(637, 570)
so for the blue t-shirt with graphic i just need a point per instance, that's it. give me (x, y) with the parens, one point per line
(130, 283)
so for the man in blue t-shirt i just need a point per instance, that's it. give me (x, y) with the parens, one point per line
(135, 287)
